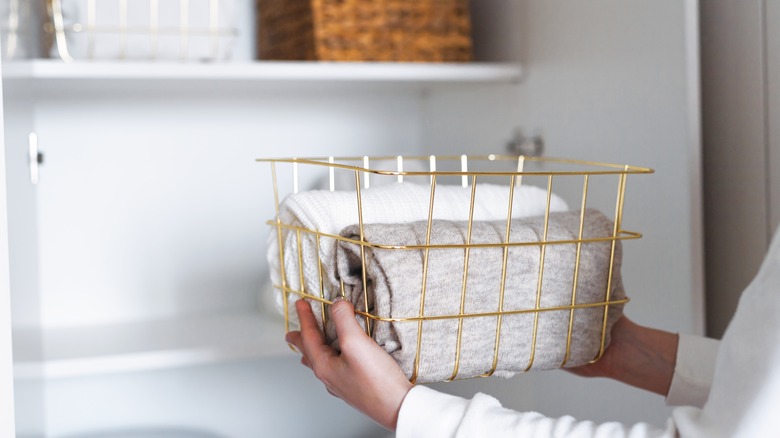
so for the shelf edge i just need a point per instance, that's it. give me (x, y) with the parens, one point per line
(186, 341)
(143, 361)
(265, 71)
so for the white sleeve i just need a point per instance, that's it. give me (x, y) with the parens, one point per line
(431, 414)
(693, 371)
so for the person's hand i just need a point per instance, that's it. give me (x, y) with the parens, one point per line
(363, 374)
(638, 356)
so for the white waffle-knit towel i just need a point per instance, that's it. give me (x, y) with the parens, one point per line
(330, 212)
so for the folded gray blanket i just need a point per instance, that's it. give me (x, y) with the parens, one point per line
(394, 278)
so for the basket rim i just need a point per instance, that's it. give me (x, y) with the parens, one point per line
(333, 162)
(620, 235)
(464, 315)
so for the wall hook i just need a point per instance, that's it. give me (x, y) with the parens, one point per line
(532, 146)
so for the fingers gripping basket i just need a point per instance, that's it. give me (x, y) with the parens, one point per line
(459, 266)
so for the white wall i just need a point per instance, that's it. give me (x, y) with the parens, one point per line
(150, 204)
(6, 356)
(154, 206)
(23, 249)
(269, 398)
(604, 80)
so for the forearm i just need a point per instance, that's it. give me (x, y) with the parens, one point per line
(649, 359)
(638, 356)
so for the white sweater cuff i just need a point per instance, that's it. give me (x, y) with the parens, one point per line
(693, 371)
(414, 418)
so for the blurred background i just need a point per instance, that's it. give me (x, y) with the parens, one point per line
(136, 210)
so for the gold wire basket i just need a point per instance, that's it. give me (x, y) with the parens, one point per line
(586, 182)
(201, 30)
(17, 29)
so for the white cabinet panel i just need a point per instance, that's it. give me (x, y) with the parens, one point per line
(7, 426)
(156, 206)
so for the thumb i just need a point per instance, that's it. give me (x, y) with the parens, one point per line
(343, 315)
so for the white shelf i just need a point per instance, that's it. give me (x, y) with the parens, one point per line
(266, 71)
(148, 345)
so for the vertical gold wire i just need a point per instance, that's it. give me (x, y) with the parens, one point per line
(423, 288)
(502, 286)
(541, 272)
(576, 271)
(322, 284)
(362, 250)
(616, 227)
(13, 29)
(302, 287)
(154, 21)
(122, 29)
(465, 278)
(59, 30)
(622, 198)
(281, 254)
(184, 31)
(91, 22)
(518, 180)
(214, 27)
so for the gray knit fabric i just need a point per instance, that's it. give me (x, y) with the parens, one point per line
(394, 279)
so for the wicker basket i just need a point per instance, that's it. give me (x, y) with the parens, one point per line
(357, 30)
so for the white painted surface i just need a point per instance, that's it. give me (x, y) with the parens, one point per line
(21, 199)
(152, 206)
(7, 423)
(604, 80)
(22, 202)
(149, 345)
(270, 398)
(279, 71)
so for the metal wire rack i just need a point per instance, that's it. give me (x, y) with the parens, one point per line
(16, 29)
(576, 178)
(141, 29)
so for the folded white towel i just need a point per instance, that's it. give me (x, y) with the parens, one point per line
(330, 212)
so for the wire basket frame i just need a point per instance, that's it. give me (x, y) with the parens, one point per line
(511, 169)
(16, 26)
(141, 29)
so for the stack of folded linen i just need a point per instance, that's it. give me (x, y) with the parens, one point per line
(330, 212)
(398, 215)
